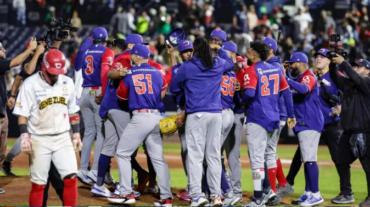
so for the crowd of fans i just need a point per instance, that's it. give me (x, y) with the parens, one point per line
(300, 31)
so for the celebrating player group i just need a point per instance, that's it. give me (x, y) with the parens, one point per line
(118, 92)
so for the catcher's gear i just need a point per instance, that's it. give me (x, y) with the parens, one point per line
(169, 125)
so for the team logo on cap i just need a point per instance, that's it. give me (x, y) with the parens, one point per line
(186, 43)
(58, 65)
(359, 60)
(101, 35)
(322, 50)
(263, 38)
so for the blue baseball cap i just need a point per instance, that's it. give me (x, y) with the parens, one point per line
(323, 51)
(219, 34)
(185, 45)
(99, 33)
(270, 42)
(362, 62)
(174, 37)
(230, 46)
(298, 57)
(135, 39)
(140, 50)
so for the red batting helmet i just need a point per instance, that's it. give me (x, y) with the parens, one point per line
(54, 62)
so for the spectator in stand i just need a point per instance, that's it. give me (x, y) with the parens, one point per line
(209, 29)
(325, 22)
(164, 24)
(252, 18)
(143, 23)
(76, 21)
(119, 23)
(208, 14)
(264, 20)
(20, 7)
(302, 19)
(240, 20)
(50, 16)
(197, 30)
(287, 25)
(131, 19)
(352, 17)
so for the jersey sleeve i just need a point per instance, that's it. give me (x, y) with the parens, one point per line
(107, 57)
(104, 77)
(240, 75)
(122, 91)
(309, 81)
(283, 83)
(25, 101)
(164, 84)
(72, 101)
(250, 79)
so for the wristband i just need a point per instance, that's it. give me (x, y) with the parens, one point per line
(13, 96)
(23, 128)
(75, 128)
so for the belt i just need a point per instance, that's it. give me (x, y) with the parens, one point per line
(228, 109)
(93, 90)
(93, 87)
(147, 111)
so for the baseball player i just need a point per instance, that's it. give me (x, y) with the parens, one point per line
(47, 110)
(200, 79)
(143, 87)
(115, 119)
(98, 59)
(310, 123)
(185, 49)
(284, 188)
(263, 85)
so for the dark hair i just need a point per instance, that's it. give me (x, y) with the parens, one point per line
(261, 48)
(203, 52)
(120, 43)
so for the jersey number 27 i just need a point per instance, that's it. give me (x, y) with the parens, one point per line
(140, 86)
(266, 82)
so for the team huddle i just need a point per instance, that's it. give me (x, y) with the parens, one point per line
(119, 91)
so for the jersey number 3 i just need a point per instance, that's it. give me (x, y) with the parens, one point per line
(140, 86)
(266, 81)
(90, 67)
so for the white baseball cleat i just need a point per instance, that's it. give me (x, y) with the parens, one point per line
(124, 199)
(216, 201)
(93, 175)
(101, 191)
(82, 177)
(200, 201)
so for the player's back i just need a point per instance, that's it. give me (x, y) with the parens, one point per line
(94, 57)
(145, 84)
(228, 85)
(264, 110)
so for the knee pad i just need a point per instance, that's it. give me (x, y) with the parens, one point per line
(72, 175)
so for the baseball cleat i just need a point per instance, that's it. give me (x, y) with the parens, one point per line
(82, 177)
(256, 202)
(152, 188)
(185, 197)
(93, 175)
(342, 199)
(200, 201)
(301, 199)
(184, 192)
(366, 202)
(216, 201)
(142, 180)
(268, 197)
(231, 199)
(101, 191)
(312, 201)
(2, 191)
(163, 202)
(274, 201)
(136, 194)
(284, 191)
(7, 169)
(108, 179)
(123, 199)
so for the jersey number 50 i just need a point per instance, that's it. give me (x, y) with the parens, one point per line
(90, 65)
(140, 86)
(266, 81)
(228, 86)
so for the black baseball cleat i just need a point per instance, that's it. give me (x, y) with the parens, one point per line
(7, 169)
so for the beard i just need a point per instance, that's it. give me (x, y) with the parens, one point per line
(249, 62)
(294, 72)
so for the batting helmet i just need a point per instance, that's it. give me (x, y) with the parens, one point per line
(54, 62)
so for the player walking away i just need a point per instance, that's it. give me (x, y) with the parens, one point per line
(274, 166)
(98, 59)
(355, 119)
(47, 110)
(185, 49)
(263, 85)
(310, 123)
(115, 119)
(200, 79)
(143, 87)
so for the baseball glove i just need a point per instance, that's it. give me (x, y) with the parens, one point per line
(169, 125)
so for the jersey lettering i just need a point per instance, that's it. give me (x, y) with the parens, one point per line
(52, 100)
(228, 85)
(90, 67)
(265, 91)
(140, 86)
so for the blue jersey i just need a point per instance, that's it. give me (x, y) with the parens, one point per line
(228, 85)
(201, 85)
(94, 60)
(179, 95)
(79, 61)
(142, 87)
(326, 106)
(275, 61)
(267, 81)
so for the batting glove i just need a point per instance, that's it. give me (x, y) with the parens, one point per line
(26, 143)
(76, 140)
